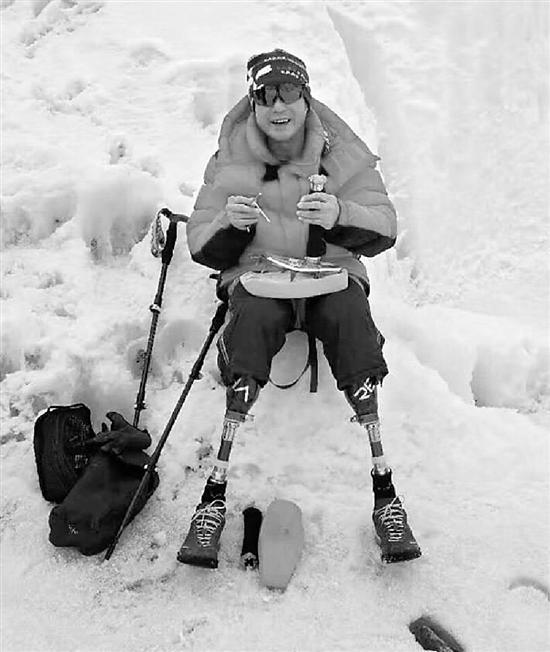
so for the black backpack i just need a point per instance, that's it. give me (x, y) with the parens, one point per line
(92, 478)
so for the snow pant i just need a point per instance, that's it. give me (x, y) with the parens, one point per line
(342, 321)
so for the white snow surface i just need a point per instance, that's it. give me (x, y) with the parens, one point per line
(111, 111)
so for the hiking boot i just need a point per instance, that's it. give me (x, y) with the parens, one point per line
(202, 542)
(362, 396)
(393, 533)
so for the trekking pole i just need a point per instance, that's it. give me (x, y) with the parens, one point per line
(217, 322)
(167, 252)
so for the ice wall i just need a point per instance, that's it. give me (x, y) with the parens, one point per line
(460, 94)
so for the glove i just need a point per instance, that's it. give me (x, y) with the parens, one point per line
(121, 437)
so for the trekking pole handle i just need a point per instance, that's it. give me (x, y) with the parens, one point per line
(171, 234)
(219, 317)
(168, 250)
(173, 217)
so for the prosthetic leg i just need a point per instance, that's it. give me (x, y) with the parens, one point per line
(393, 533)
(202, 542)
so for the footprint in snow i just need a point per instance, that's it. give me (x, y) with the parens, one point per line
(149, 52)
(191, 624)
(530, 583)
(248, 469)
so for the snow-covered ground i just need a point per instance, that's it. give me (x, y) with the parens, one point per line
(110, 111)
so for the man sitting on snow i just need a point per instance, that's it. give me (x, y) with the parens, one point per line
(256, 202)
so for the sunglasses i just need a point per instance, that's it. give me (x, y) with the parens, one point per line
(286, 92)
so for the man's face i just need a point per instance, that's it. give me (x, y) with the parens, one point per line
(281, 122)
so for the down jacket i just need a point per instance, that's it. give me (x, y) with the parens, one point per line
(243, 165)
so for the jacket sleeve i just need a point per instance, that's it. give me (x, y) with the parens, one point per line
(211, 239)
(367, 224)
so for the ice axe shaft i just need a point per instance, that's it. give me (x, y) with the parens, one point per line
(156, 306)
(217, 322)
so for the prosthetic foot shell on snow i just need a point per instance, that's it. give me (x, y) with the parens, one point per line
(280, 543)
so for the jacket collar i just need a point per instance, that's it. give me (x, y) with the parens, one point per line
(309, 160)
(327, 136)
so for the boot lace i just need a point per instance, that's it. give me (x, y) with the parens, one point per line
(392, 518)
(207, 520)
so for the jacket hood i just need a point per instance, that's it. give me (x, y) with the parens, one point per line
(327, 137)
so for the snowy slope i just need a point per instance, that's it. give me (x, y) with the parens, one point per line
(111, 110)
